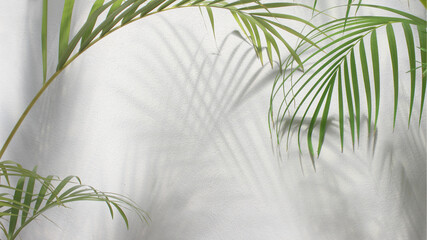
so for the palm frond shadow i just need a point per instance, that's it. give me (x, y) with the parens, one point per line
(396, 170)
(197, 124)
(203, 117)
(395, 167)
(381, 168)
(412, 205)
(410, 178)
(50, 106)
(234, 86)
(293, 138)
(330, 198)
(33, 82)
(46, 121)
(400, 175)
(323, 207)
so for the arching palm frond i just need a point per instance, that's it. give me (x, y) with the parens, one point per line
(33, 195)
(253, 17)
(342, 64)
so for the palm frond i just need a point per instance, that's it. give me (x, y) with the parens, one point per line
(211, 18)
(33, 195)
(255, 24)
(342, 49)
(394, 63)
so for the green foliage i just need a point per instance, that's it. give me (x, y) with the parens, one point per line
(33, 195)
(253, 18)
(342, 48)
(325, 62)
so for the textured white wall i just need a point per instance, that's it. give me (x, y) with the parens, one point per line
(161, 112)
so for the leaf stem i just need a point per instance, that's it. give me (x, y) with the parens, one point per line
(27, 110)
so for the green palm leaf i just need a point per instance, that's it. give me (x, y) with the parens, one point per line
(16, 207)
(325, 114)
(349, 101)
(376, 72)
(395, 66)
(95, 6)
(211, 18)
(356, 94)
(28, 197)
(64, 32)
(411, 55)
(341, 109)
(366, 80)
(423, 47)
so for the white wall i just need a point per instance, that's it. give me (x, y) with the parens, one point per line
(161, 112)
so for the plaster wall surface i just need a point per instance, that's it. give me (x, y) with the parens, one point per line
(164, 113)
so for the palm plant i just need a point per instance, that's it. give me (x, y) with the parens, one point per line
(342, 49)
(336, 46)
(33, 195)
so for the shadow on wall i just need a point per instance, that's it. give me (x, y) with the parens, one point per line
(216, 162)
(35, 137)
(365, 193)
(329, 202)
(190, 160)
(185, 135)
(401, 175)
(200, 171)
(31, 77)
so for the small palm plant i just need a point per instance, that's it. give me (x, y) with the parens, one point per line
(33, 195)
(336, 47)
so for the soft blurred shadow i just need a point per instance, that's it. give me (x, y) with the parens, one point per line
(197, 158)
